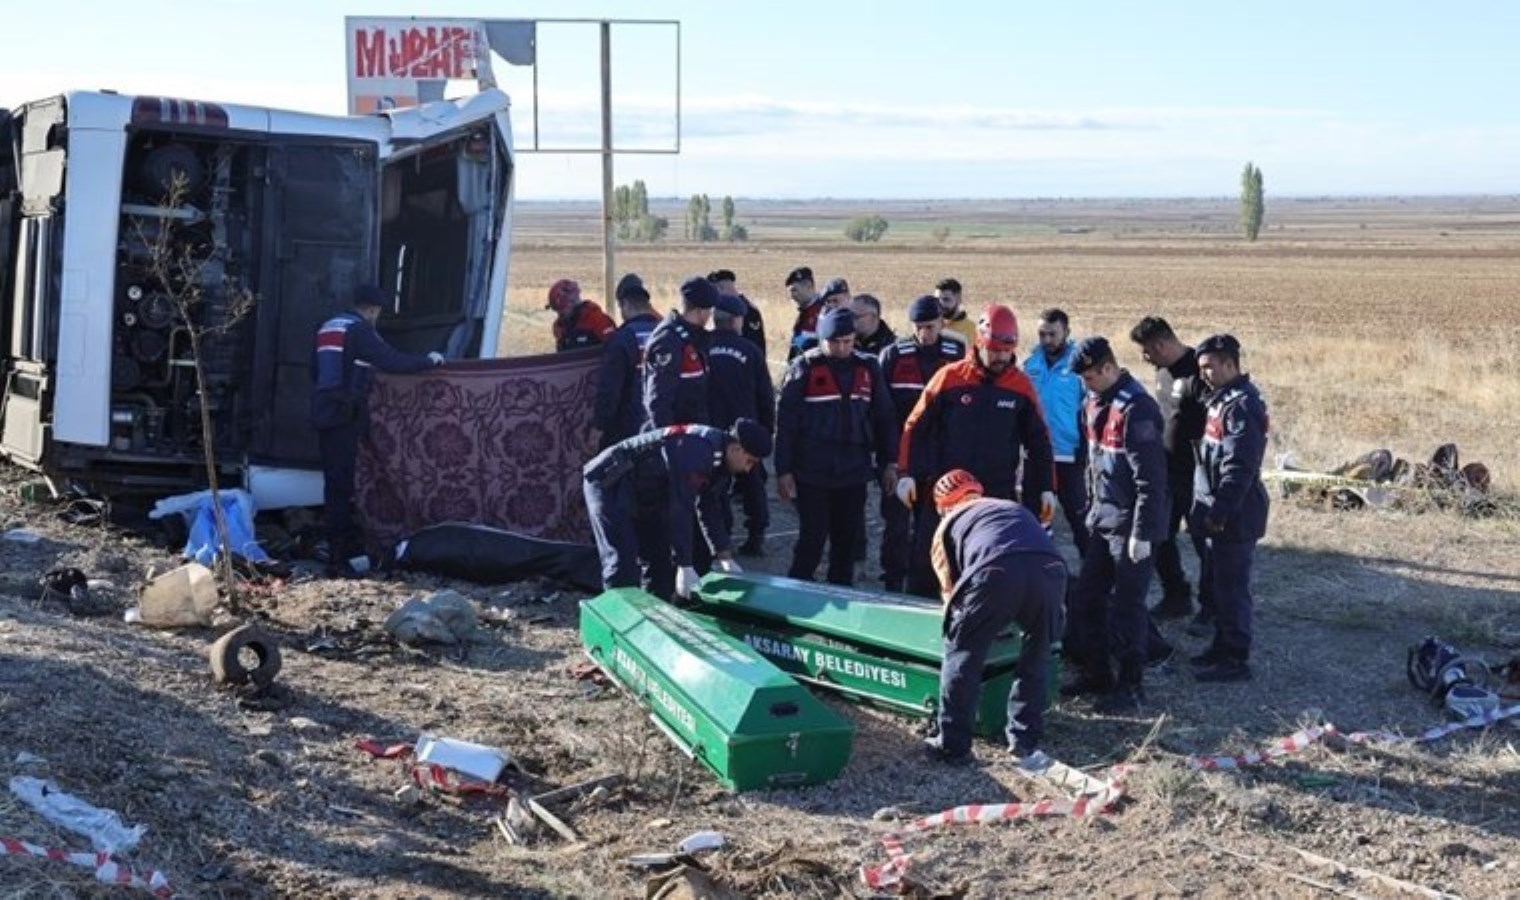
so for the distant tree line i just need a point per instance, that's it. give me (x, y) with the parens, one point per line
(699, 225)
(630, 214)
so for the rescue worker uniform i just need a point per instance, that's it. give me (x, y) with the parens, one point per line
(740, 388)
(996, 567)
(347, 349)
(970, 418)
(834, 434)
(1061, 394)
(675, 374)
(907, 366)
(1230, 509)
(1127, 485)
(619, 409)
(583, 325)
(1182, 394)
(642, 496)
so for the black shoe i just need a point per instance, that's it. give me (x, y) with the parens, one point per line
(1177, 605)
(754, 546)
(936, 753)
(1088, 684)
(1124, 699)
(1202, 624)
(1224, 671)
(1207, 658)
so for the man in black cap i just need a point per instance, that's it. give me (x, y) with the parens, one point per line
(675, 360)
(620, 384)
(1229, 504)
(872, 335)
(799, 284)
(834, 433)
(1127, 512)
(835, 294)
(643, 494)
(740, 388)
(906, 366)
(348, 347)
(754, 323)
(1181, 394)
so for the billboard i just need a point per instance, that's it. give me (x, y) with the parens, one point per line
(395, 63)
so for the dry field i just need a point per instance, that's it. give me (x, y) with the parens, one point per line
(1389, 335)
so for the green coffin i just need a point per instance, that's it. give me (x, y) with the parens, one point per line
(885, 649)
(715, 697)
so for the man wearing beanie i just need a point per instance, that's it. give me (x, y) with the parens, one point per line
(740, 388)
(619, 409)
(907, 366)
(754, 324)
(834, 433)
(1126, 518)
(643, 495)
(675, 361)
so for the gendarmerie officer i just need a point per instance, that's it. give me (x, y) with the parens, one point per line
(996, 567)
(1127, 515)
(643, 494)
(620, 384)
(834, 433)
(1229, 504)
(907, 366)
(347, 348)
(754, 323)
(675, 360)
(740, 388)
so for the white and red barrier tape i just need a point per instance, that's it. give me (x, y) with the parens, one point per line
(898, 859)
(107, 870)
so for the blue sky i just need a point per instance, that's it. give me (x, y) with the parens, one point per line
(898, 99)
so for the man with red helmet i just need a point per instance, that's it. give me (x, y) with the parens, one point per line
(577, 323)
(996, 567)
(981, 414)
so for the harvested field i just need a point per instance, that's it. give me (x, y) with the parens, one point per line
(1360, 338)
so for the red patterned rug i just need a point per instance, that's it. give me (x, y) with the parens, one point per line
(492, 442)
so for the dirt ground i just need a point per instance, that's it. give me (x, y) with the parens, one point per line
(1369, 323)
(245, 803)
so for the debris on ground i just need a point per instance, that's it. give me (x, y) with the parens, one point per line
(228, 666)
(104, 827)
(444, 617)
(185, 597)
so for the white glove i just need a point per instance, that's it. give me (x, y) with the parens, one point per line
(1139, 551)
(435, 357)
(907, 491)
(1047, 508)
(686, 581)
(727, 567)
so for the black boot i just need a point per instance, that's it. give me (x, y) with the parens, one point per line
(1175, 604)
(754, 545)
(1090, 682)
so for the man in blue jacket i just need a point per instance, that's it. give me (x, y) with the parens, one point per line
(644, 493)
(1127, 513)
(619, 388)
(740, 388)
(1229, 504)
(675, 360)
(348, 347)
(834, 433)
(1061, 391)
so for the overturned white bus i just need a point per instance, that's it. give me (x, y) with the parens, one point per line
(293, 209)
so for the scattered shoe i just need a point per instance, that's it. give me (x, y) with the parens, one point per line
(1202, 624)
(1124, 699)
(1224, 671)
(753, 546)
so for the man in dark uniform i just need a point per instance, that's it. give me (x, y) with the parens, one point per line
(834, 433)
(740, 388)
(996, 567)
(907, 366)
(872, 335)
(644, 494)
(754, 323)
(620, 384)
(980, 414)
(1229, 503)
(1180, 392)
(675, 360)
(348, 347)
(577, 323)
(1127, 510)
(799, 284)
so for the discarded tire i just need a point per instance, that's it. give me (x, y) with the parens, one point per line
(228, 668)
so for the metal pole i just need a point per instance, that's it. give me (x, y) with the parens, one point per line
(607, 249)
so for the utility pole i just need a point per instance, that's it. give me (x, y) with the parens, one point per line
(607, 248)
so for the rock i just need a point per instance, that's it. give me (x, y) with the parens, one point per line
(657, 824)
(446, 617)
(408, 795)
(1454, 849)
(268, 757)
(301, 723)
(888, 814)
